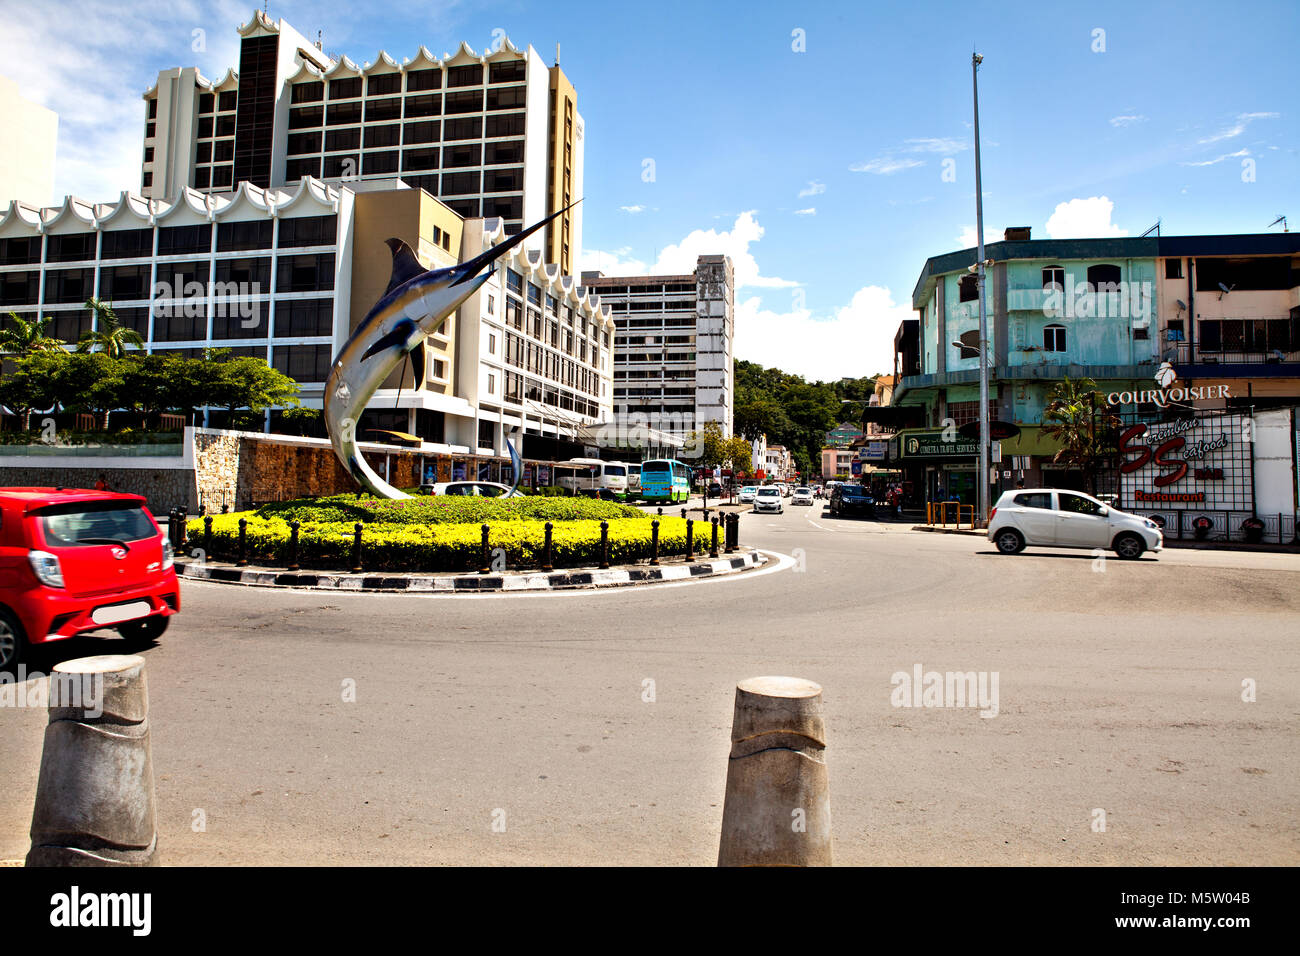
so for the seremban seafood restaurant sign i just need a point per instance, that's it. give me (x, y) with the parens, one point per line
(1193, 462)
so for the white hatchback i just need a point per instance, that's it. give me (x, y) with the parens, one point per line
(768, 498)
(1054, 518)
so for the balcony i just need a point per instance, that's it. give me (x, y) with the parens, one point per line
(1193, 360)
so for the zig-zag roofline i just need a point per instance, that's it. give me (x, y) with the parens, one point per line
(546, 275)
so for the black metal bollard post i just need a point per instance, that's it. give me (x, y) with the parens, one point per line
(735, 534)
(604, 544)
(243, 543)
(654, 541)
(293, 545)
(713, 548)
(730, 534)
(207, 537)
(171, 527)
(683, 514)
(690, 539)
(356, 548)
(546, 549)
(484, 560)
(182, 516)
(661, 511)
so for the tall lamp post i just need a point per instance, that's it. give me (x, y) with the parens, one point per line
(983, 511)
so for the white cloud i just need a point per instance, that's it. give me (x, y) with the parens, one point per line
(814, 188)
(1119, 121)
(1083, 219)
(1218, 159)
(968, 237)
(810, 211)
(943, 144)
(90, 61)
(885, 166)
(1237, 128)
(633, 209)
(680, 258)
(858, 339)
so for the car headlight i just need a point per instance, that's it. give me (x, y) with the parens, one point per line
(1151, 524)
(48, 570)
(169, 555)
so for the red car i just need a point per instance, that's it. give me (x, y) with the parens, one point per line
(73, 561)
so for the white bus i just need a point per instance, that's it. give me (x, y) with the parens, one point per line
(593, 478)
(633, 480)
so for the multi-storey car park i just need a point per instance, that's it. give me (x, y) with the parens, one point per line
(673, 361)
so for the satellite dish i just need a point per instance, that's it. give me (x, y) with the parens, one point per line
(1225, 289)
(1182, 306)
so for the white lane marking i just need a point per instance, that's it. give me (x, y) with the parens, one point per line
(782, 562)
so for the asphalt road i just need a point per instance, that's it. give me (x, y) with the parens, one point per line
(1120, 689)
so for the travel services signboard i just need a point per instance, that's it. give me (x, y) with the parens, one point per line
(939, 444)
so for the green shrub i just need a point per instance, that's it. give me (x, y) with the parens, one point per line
(444, 509)
(441, 547)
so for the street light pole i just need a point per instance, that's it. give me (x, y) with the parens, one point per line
(983, 506)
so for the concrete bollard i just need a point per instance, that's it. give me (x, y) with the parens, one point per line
(95, 794)
(777, 810)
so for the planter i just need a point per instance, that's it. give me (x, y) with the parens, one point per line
(1253, 529)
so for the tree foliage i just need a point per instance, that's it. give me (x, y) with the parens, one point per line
(1078, 417)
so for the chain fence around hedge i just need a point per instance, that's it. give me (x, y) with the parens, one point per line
(342, 548)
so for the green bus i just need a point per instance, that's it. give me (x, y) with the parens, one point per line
(665, 480)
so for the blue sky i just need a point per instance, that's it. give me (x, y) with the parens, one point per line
(820, 171)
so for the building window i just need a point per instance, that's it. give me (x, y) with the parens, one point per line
(492, 305)
(1173, 268)
(207, 102)
(341, 166)
(184, 241)
(308, 117)
(69, 285)
(470, 127)
(1103, 278)
(506, 98)
(421, 133)
(122, 244)
(295, 318)
(386, 109)
(422, 105)
(492, 384)
(499, 154)
(345, 89)
(227, 101)
(225, 126)
(305, 273)
(308, 231)
(70, 248)
(423, 80)
(420, 159)
(1054, 338)
(342, 114)
(252, 276)
(486, 434)
(383, 135)
(302, 363)
(511, 124)
(222, 175)
(507, 72)
(307, 93)
(503, 180)
(340, 139)
(968, 288)
(968, 345)
(492, 344)
(468, 102)
(454, 156)
(455, 184)
(1054, 278)
(298, 168)
(384, 84)
(465, 76)
(241, 236)
(380, 163)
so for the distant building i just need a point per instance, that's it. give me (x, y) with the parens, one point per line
(837, 461)
(843, 435)
(491, 134)
(673, 361)
(27, 155)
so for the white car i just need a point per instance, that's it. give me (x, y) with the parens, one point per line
(747, 494)
(1055, 518)
(477, 489)
(768, 498)
(803, 496)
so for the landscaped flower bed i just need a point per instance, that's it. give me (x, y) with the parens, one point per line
(442, 534)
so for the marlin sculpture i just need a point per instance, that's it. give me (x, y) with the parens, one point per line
(415, 305)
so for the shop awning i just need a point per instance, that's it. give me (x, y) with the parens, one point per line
(1031, 441)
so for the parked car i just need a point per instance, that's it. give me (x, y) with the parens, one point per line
(74, 561)
(747, 494)
(848, 499)
(476, 489)
(715, 490)
(1048, 517)
(768, 498)
(802, 496)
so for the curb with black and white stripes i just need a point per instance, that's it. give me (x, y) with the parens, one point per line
(471, 583)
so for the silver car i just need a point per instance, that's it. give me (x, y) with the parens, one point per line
(1056, 518)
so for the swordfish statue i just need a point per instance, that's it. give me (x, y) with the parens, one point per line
(415, 305)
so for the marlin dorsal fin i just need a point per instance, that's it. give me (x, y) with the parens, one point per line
(405, 266)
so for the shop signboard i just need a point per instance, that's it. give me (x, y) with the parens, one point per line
(938, 445)
(1193, 463)
(874, 451)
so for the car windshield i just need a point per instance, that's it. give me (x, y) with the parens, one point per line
(769, 492)
(749, 489)
(803, 491)
(852, 491)
(85, 524)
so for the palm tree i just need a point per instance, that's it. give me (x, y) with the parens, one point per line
(109, 334)
(22, 337)
(1079, 418)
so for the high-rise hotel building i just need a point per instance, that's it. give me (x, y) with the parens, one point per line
(492, 134)
(673, 362)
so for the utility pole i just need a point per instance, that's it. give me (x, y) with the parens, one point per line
(983, 505)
